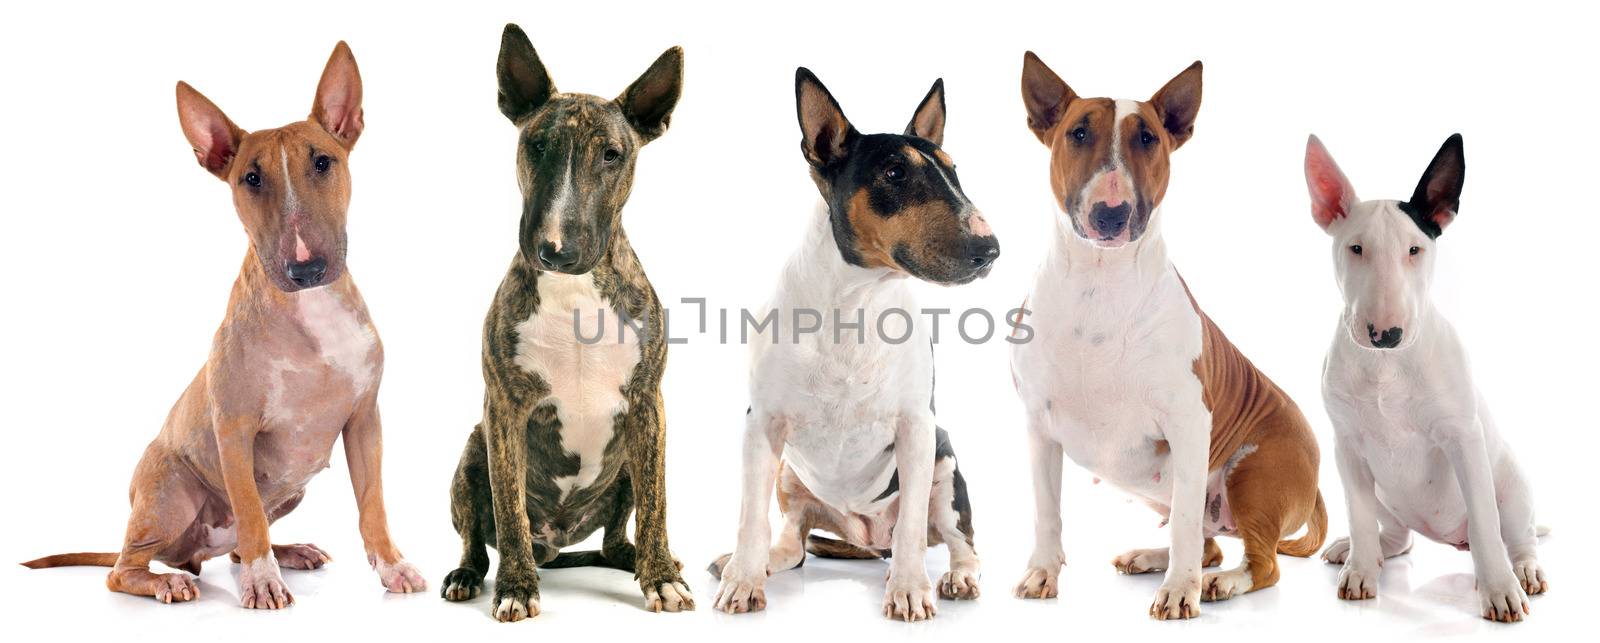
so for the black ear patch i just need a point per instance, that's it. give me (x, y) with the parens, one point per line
(1438, 195)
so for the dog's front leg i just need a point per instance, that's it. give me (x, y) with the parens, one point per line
(260, 582)
(909, 595)
(1359, 578)
(745, 575)
(655, 567)
(363, 451)
(1179, 595)
(516, 582)
(1044, 567)
(1501, 595)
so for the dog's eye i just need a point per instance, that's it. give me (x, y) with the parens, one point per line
(1355, 249)
(1146, 138)
(611, 155)
(1415, 251)
(895, 173)
(252, 179)
(1079, 134)
(538, 147)
(323, 163)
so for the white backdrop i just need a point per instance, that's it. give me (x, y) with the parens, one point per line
(119, 252)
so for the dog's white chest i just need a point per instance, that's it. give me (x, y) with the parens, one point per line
(343, 339)
(1105, 374)
(572, 342)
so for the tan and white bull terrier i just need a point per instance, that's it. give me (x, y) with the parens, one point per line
(1127, 376)
(294, 367)
(1416, 447)
(841, 420)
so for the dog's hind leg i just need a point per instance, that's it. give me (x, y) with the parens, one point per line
(473, 517)
(615, 550)
(165, 504)
(1144, 561)
(950, 522)
(1394, 537)
(1271, 492)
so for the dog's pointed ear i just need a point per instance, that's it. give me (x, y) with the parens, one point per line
(1044, 94)
(1178, 103)
(648, 102)
(215, 139)
(928, 121)
(827, 133)
(1331, 194)
(524, 84)
(1433, 206)
(337, 107)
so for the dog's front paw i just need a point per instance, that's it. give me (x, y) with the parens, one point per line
(399, 576)
(909, 597)
(742, 589)
(1039, 582)
(516, 597)
(1336, 553)
(1531, 575)
(1357, 583)
(261, 585)
(176, 588)
(668, 596)
(1177, 599)
(958, 584)
(1502, 599)
(463, 584)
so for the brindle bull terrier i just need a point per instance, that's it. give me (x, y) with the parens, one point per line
(572, 435)
(294, 366)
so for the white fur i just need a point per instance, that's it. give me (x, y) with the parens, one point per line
(344, 340)
(833, 410)
(1110, 372)
(280, 411)
(1416, 447)
(586, 380)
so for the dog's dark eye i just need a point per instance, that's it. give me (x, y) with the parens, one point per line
(1355, 249)
(1146, 138)
(611, 155)
(1415, 251)
(895, 173)
(1079, 134)
(538, 147)
(323, 163)
(252, 179)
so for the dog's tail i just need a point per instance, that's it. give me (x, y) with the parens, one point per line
(1316, 532)
(824, 547)
(73, 560)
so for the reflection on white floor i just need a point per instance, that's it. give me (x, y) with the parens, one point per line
(1427, 593)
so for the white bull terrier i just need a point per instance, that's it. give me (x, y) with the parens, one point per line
(1414, 441)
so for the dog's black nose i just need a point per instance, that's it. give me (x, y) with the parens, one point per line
(1109, 221)
(308, 273)
(554, 259)
(982, 251)
(1386, 339)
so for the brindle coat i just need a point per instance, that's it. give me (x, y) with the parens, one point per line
(514, 489)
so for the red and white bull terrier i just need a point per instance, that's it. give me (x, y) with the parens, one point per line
(1127, 376)
(294, 367)
(1416, 447)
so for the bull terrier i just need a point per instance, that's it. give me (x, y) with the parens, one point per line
(572, 435)
(295, 366)
(1414, 442)
(1131, 379)
(852, 417)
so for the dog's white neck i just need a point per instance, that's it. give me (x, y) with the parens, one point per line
(1074, 257)
(818, 277)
